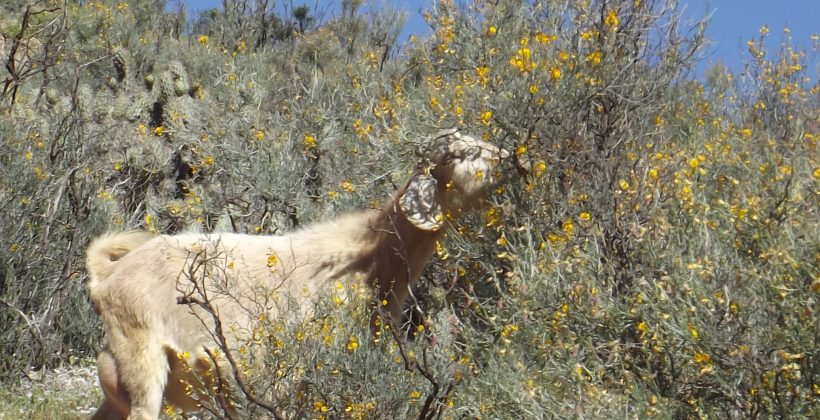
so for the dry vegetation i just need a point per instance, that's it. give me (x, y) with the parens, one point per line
(659, 259)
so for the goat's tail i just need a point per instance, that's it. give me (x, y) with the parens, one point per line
(104, 251)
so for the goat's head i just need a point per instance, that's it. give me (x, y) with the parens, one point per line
(462, 169)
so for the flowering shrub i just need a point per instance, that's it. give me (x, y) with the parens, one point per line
(653, 251)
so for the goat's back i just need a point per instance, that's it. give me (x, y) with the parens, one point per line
(167, 284)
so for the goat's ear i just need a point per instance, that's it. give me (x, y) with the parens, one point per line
(420, 202)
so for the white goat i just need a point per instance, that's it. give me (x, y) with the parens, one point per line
(140, 284)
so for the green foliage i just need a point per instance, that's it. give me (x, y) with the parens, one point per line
(653, 252)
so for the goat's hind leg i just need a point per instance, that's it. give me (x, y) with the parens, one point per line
(108, 411)
(142, 366)
(115, 401)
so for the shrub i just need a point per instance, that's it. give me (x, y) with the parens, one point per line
(653, 252)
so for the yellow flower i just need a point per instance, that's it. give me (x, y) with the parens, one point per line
(493, 216)
(415, 394)
(693, 330)
(693, 163)
(348, 186)
(203, 39)
(612, 20)
(702, 357)
(556, 74)
(585, 216)
(533, 89)
(158, 131)
(595, 58)
(568, 227)
(624, 185)
(542, 38)
(642, 327)
(492, 30)
(485, 117)
(272, 260)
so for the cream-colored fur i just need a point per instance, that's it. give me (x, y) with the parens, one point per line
(152, 292)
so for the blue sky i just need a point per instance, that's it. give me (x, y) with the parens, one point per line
(733, 23)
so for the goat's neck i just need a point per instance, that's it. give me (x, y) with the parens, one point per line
(400, 248)
(380, 244)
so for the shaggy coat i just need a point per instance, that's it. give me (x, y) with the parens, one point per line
(157, 295)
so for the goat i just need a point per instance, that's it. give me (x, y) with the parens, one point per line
(140, 283)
